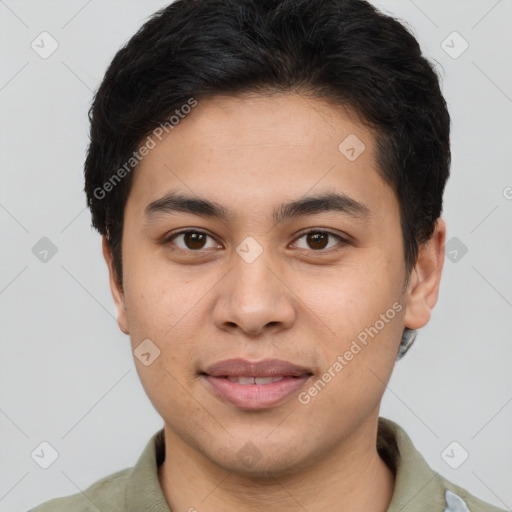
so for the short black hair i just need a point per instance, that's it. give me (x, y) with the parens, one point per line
(343, 51)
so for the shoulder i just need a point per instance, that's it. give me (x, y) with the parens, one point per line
(107, 494)
(128, 488)
(418, 488)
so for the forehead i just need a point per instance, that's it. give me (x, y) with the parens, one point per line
(288, 122)
(252, 150)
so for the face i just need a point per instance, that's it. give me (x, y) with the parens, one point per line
(263, 265)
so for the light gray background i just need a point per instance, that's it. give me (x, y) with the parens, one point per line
(67, 375)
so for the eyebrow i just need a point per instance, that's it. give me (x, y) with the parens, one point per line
(175, 202)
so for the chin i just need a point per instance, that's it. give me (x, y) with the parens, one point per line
(264, 464)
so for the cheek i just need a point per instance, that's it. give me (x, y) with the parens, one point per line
(162, 310)
(156, 295)
(362, 307)
(158, 308)
(358, 361)
(167, 308)
(352, 297)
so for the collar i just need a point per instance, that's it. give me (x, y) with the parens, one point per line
(143, 491)
(417, 487)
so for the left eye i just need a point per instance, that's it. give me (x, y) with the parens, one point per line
(318, 240)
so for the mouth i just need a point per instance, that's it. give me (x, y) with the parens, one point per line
(255, 385)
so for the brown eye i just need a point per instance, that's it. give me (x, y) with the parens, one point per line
(319, 240)
(192, 241)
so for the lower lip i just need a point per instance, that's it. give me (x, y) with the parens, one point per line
(255, 396)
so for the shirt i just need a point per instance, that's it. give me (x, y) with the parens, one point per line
(417, 487)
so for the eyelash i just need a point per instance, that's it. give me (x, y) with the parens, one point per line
(341, 240)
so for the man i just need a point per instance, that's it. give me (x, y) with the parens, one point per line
(267, 177)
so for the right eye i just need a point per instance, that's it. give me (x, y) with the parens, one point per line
(191, 241)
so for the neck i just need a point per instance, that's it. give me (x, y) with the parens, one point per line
(351, 477)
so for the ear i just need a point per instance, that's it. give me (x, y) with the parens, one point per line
(425, 279)
(115, 287)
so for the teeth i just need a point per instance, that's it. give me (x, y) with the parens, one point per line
(267, 380)
(242, 380)
(254, 380)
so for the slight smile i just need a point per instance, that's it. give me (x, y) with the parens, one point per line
(255, 385)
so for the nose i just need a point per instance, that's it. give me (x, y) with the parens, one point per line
(253, 299)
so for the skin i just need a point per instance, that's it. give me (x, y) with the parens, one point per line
(298, 301)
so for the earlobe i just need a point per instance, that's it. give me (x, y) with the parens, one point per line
(115, 287)
(425, 279)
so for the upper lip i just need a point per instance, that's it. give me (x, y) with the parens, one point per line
(266, 368)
